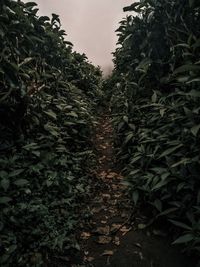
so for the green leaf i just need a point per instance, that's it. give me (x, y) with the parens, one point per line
(162, 112)
(131, 7)
(51, 114)
(25, 61)
(132, 173)
(44, 18)
(31, 146)
(12, 248)
(16, 172)
(132, 126)
(21, 182)
(3, 174)
(184, 45)
(182, 161)
(154, 97)
(72, 114)
(159, 185)
(51, 129)
(135, 196)
(4, 200)
(120, 126)
(36, 153)
(30, 4)
(197, 44)
(184, 239)
(135, 159)
(169, 151)
(125, 118)
(191, 3)
(195, 80)
(128, 138)
(5, 183)
(183, 79)
(186, 68)
(167, 211)
(193, 93)
(180, 187)
(158, 204)
(195, 129)
(142, 226)
(180, 224)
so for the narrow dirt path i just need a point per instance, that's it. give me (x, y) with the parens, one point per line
(110, 238)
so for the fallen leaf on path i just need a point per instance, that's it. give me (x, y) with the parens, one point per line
(125, 230)
(112, 175)
(85, 235)
(104, 239)
(114, 202)
(115, 226)
(111, 210)
(102, 174)
(107, 253)
(115, 187)
(116, 241)
(88, 259)
(103, 230)
(103, 147)
(96, 210)
(106, 196)
(117, 195)
(103, 222)
(124, 215)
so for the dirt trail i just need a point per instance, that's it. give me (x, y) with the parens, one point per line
(110, 238)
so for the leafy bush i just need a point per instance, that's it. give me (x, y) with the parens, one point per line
(156, 88)
(48, 94)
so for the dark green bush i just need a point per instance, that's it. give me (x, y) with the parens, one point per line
(48, 94)
(156, 89)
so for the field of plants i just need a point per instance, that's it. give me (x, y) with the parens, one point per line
(155, 101)
(47, 100)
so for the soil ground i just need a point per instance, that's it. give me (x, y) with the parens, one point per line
(111, 236)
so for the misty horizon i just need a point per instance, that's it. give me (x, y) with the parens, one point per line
(90, 26)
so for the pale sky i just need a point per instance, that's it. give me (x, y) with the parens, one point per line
(90, 25)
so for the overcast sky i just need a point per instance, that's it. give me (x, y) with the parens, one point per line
(90, 25)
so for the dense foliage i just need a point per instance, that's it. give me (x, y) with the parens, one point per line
(155, 86)
(47, 98)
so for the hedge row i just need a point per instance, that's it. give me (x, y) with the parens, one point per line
(155, 86)
(47, 100)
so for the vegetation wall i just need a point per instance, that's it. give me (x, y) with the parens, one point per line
(155, 101)
(47, 98)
